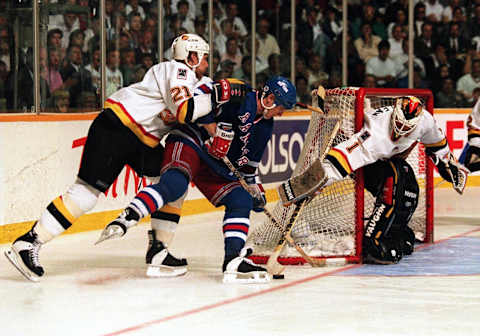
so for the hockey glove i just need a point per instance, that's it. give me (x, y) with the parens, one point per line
(452, 171)
(257, 192)
(220, 143)
(472, 158)
(225, 89)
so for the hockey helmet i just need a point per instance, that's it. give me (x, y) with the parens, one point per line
(186, 43)
(284, 91)
(406, 115)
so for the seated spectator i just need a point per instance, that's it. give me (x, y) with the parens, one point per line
(374, 19)
(74, 75)
(303, 92)
(316, 74)
(425, 43)
(140, 71)
(367, 44)
(400, 20)
(147, 60)
(133, 6)
(134, 29)
(369, 81)
(182, 12)
(191, 8)
(94, 68)
(3, 81)
(227, 67)
(447, 97)
(127, 66)
(447, 14)
(54, 40)
(468, 82)
(67, 23)
(332, 24)
(260, 63)
(232, 52)
(112, 72)
(222, 37)
(52, 74)
(147, 46)
(383, 67)
(5, 55)
(245, 71)
(396, 41)
(305, 32)
(239, 30)
(215, 61)
(433, 11)
(274, 68)
(61, 101)
(267, 43)
(89, 101)
(200, 25)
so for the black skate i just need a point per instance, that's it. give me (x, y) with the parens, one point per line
(24, 256)
(240, 269)
(160, 262)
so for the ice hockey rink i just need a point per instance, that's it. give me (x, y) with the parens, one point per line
(103, 290)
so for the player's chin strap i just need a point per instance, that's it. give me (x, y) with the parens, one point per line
(263, 104)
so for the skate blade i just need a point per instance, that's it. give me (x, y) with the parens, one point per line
(15, 260)
(246, 278)
(110, 232)
(165, 271)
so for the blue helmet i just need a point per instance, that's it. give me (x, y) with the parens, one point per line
(284, 91)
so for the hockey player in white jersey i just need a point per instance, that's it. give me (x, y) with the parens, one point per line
(472, 157)
(389, 134)
(127, 131)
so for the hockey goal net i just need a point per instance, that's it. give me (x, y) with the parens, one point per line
(331, 225)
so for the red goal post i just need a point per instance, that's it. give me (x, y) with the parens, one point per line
(331, 226)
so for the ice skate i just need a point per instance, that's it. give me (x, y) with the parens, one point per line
(160, 263)
(23, 254)
(242, 270)
(120, 225)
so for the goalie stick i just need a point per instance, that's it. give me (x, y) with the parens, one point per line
(288, 237)
(273, 266)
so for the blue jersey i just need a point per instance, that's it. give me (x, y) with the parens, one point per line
(252, 134)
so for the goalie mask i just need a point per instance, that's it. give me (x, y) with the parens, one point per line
(406, 115)
(186, 43)
(284, 91)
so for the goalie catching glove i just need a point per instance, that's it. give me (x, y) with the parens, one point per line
(452, 171)
(258, 193)
(219, 144)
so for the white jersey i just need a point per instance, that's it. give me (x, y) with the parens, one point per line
(473, 125)
(152, 107)
(374, 141)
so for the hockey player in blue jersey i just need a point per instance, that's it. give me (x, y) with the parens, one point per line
(243, 128)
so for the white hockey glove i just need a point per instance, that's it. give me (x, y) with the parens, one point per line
(257, 192)
(219, 144)
(452, 171)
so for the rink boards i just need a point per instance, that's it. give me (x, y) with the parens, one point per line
(41, 155)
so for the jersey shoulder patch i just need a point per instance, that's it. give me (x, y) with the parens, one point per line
(182, 73)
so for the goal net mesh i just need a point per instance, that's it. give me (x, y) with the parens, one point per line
(327, 226)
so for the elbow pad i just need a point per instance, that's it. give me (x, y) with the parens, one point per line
(196, 107)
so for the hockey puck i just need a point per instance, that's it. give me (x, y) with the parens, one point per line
(278, 276)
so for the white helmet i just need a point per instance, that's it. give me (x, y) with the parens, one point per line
(406, 115)
(186, 43)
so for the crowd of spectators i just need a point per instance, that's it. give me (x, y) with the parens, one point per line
(446, 46)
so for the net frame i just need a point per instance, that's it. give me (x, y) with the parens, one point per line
(359, 194)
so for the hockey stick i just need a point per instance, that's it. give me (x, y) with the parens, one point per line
(310, 107)
(288, 237)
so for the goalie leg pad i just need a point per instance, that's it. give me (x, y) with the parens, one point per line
(387, 235)
(303, 185)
